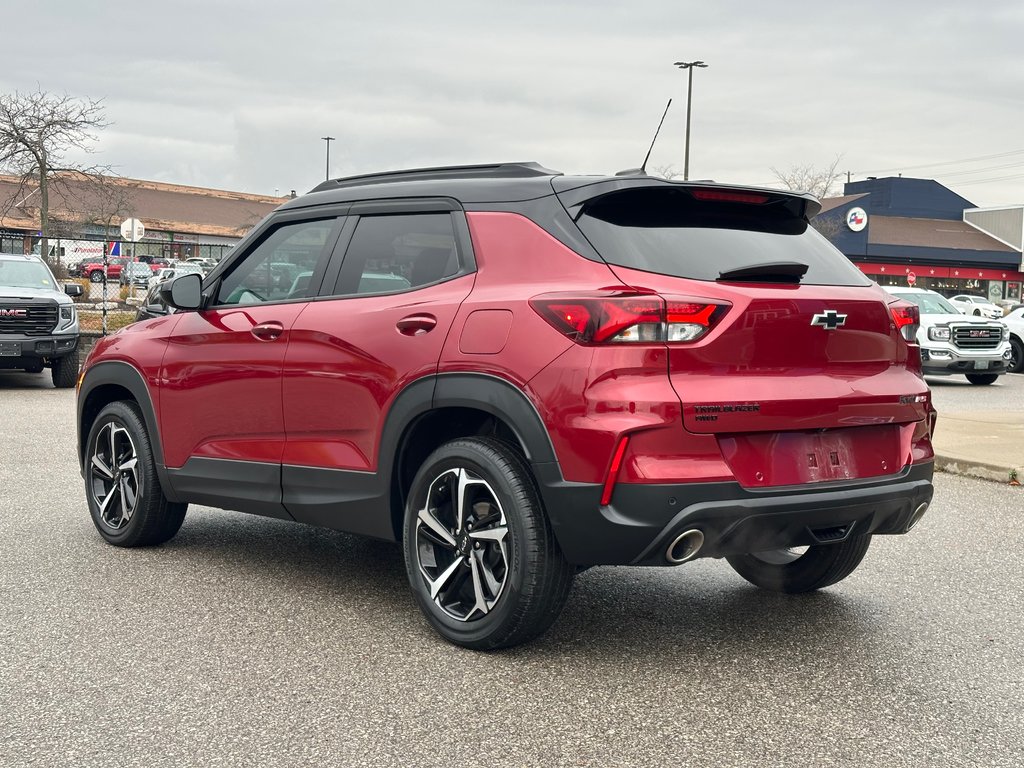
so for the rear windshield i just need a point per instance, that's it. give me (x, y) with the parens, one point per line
(668, 232)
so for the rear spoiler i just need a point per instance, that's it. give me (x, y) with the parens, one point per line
(575, 192)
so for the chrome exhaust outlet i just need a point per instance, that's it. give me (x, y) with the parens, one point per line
(685, 546)
(918, 514)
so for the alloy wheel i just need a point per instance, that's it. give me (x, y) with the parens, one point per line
(462, 545)
(114, 476)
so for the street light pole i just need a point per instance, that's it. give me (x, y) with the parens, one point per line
(688, 65)
(328, 139)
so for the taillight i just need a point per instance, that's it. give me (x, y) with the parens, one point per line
(729, 196)
(623, 318)
(907, 318)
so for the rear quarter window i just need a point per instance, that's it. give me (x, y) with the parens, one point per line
(668, 232)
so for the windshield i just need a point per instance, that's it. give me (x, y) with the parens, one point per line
(25, 274)
(929, 303)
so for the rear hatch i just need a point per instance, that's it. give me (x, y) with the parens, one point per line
(801, 374)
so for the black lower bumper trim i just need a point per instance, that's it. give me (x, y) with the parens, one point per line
(642, 520)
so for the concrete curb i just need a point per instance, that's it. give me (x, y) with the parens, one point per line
(979, 469)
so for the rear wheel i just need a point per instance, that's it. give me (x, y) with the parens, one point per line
(801, 569)
(480, 554)
(982, 379)
(126, 502)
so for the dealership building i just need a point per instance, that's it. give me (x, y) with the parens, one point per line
(902, 231)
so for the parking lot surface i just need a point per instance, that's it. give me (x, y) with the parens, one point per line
(248, 641)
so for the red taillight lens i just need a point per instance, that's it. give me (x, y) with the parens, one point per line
(907, 318)
(628, 318)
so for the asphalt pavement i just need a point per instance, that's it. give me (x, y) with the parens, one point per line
(247, 641)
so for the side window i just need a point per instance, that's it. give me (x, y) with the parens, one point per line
(392, 253)
(280, 267)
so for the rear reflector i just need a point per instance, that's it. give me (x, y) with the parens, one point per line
(613, 471)
(728, 196)
(623, 318)
(906, 316)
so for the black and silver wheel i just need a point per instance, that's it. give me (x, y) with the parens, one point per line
(1016, 364)
(801, 569)
(123, 491)
(982, 379)
(480, 554)
(96, 276)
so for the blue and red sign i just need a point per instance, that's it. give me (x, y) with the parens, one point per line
(856, 219)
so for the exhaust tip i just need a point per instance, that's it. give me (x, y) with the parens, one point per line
(918, 514)
(685, 546)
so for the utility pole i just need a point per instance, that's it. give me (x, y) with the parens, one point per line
(328, 139)
(688, 65)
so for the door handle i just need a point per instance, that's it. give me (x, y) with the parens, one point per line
(416, 325)
(267, 331)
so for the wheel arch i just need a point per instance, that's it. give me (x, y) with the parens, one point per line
(108, 382)
(435, 410)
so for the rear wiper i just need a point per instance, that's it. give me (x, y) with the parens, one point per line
(773, 272)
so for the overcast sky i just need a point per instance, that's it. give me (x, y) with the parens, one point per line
(236, 95)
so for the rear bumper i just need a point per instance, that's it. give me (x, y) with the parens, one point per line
(643, 519)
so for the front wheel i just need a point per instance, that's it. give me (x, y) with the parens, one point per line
(801, 569)
(982, 379)
(480, 554)
(126, 502)
(64, 370)
(96, 276)
(1016, 364)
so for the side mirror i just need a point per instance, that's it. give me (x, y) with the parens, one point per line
(183, 292)
(73, 289)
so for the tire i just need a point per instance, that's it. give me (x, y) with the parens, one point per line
(504, 583)
(982, 379)
(820, 566)
(119, 431)
(1016, 355)
(64, 370)
(96, 276)
(977, 313)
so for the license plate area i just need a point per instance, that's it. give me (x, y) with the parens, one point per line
(10, 349)
(981, 365)
(767, 459)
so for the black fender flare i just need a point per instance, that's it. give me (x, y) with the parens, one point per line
(126, 375)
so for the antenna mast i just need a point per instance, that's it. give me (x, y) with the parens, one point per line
(643, 168)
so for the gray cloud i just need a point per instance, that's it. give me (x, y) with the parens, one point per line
(237, 95)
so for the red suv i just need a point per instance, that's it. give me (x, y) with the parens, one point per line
(518, 374)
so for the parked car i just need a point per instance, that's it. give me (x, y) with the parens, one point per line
(953, 343)
(519, 374)
(181, 268)
(1015, 323)
(136, 273)
(38, 320)
(94, 269)
(978, 306)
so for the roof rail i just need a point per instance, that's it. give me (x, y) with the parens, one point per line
(496, 171)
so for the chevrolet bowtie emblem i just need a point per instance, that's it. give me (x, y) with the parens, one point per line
(829, 320)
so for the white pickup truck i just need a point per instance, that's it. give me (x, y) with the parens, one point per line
(952, 342)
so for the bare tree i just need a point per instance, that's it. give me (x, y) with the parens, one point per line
(666, 172)
(36, 132)
(820, 182)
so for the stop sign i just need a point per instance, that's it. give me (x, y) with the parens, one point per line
(911, 278)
